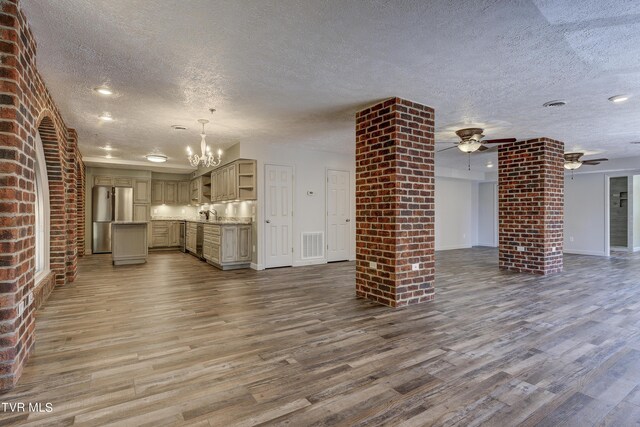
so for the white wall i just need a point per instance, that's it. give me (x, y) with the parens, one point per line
(488, 214)
(456, 207)
(309, 169)
(584, 214)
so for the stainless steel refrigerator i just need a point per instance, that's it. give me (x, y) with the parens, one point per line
(109, 204)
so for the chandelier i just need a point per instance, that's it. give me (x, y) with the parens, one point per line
(206, 157)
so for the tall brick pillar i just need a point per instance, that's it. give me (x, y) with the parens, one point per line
(395, 203)
(531, 206)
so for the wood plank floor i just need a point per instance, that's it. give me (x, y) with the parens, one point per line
(176, 342)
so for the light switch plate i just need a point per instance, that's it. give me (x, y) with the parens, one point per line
(520, 248)
(373, 265)
(415, 267)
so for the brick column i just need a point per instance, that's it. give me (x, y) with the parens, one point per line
(395, 203)
(531, 206)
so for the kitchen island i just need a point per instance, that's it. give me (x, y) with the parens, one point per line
(129, 242)
(225, 244)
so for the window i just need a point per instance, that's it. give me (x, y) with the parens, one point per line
(41, 213)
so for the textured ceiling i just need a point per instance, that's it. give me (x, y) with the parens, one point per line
(294, 72)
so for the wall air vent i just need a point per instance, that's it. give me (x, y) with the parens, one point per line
(313, 245)
(556, 103)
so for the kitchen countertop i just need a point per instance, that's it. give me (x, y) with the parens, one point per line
(229, 221)
(129, 222)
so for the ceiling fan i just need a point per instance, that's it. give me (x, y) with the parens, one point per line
(471, 141)
(572, 161)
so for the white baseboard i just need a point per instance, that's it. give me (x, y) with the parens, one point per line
(310, 262)
(487, 245)
(580, 252)
(636, 249)
(255, 266)
(451, 247)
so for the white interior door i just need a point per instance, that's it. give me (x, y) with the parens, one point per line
(338, 215)
(278, 216)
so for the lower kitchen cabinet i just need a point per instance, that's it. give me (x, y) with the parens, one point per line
(227, 246)
(191, 237)
(165, 234)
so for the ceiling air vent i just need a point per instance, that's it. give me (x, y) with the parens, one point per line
(635, 142)
(556, 103)
(178, 127)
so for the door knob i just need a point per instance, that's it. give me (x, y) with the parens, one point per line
(268, 221)
(348, 219)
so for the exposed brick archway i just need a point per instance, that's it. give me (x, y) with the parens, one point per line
(55, 170)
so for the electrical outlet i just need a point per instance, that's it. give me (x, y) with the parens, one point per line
(373, 265)
(20, 308)
(29, 299)
(415, 267)
(520, 248)
(155, 211)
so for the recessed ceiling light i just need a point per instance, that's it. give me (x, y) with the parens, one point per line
(103, 90)
(556, 103)
(618, 98)
(156, 158)
(178, 127)
(106, 117)
(107, 148)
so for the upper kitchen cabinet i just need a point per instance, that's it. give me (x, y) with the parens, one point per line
(184, 192)
(235, 181)
(169, 192)
(102, 180)
(141, 191)
(201, 189)
(157, 192)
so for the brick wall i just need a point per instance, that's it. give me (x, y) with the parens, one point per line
(80, 201)
(395, 202)
(26, 108)
(531, 205)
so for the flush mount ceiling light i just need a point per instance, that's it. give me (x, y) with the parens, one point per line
(618, 98)
(489, 164)
(206, 158)
(103, 90)
(556, 103)
(156, 158)
(106, 117)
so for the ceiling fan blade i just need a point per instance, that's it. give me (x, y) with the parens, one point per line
(594, 160)
(498, 141)
(448, 148)
(484, 148)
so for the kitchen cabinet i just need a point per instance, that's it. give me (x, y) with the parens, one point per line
(183, 192)
(191, 237)
(159, 234)
(170, 193)
(227, 246)
(157, 192)
(122, 182)
(141, 191)
(140, 212)
(235, 181)
(201, 189)
(102, 180)
(165, 234)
